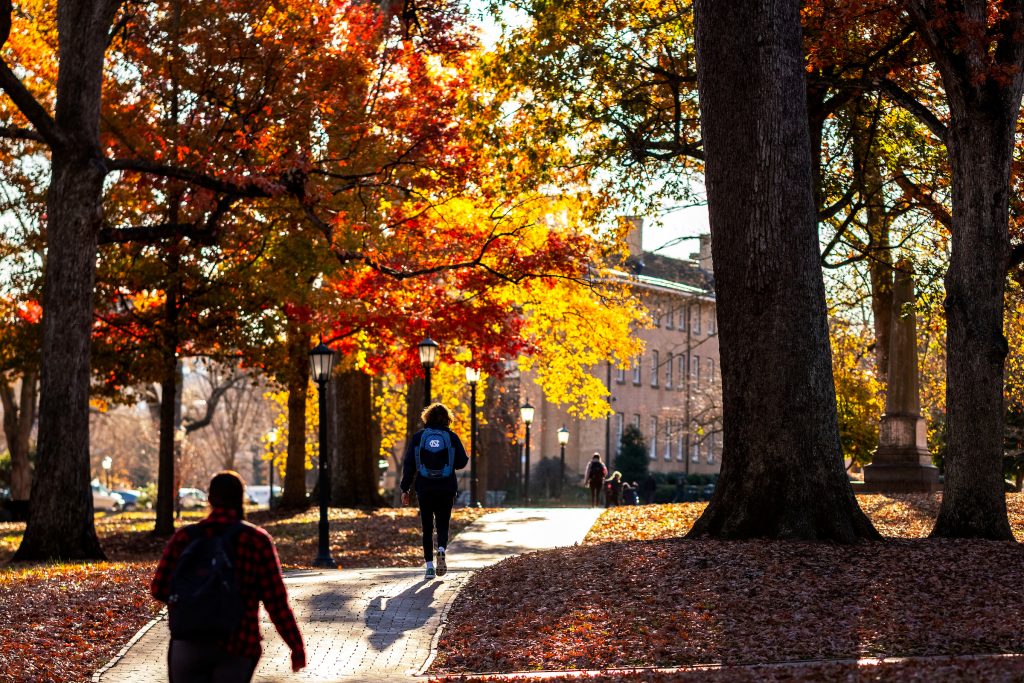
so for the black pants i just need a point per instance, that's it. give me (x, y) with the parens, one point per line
(190, 661)
(595, 496)
(435, 506)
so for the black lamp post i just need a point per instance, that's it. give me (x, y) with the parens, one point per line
(526, 411)
(272, 440)
(563, 438)
(321, 361)
(428, 356)
(472, 376)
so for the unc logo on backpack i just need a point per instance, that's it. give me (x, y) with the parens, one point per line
(435, 441)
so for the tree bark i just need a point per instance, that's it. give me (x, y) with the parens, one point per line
(19, 418)
(980, 146)
(981, 61)
(61, 524)
(294, 495)
(354, 472)
(782, 473)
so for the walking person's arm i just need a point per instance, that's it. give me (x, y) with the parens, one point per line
(461, 459)
(160, 588)
(275, 598)
(408, 469)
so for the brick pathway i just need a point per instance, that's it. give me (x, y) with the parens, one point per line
(372, 624)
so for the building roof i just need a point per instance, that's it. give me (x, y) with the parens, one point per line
(670, 274)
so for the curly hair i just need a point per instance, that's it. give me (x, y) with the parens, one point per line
(436, 416)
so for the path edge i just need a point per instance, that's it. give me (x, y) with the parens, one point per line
(442, 624)
(124, 650)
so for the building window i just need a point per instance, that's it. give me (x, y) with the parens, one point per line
(654, 368)
(695, 371)
(636, 420)
(654, 437)
(713, 320)
(709, 451)
(696, 319)
(668, 439)
(620, 375)
(670, 317)
(669, 369)
(619, 419)
(656, 316)
(683, 313)
(681, 443)
(695, 451)
(681, 361)
(711, 371)
(636, 369)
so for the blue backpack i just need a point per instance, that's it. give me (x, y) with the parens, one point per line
(434, 441)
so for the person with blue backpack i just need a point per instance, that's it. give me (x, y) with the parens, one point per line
(431, 458)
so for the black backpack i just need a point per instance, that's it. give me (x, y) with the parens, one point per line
(205, 601)
(435, 441)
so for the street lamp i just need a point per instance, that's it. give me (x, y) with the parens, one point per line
(526, 411)
(106, 463)
(321, 361)
(428, 356)
(563, 438)
(272, 440)
(472, 376)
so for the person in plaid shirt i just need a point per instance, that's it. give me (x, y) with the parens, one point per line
(259, 574)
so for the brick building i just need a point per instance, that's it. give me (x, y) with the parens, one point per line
(672, 393)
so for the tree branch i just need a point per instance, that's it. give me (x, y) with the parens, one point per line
(25, 101)
(19, 133)
(902, 98)
(211, 405)
(253, 189)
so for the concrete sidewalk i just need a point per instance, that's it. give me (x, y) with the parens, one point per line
(373, 624)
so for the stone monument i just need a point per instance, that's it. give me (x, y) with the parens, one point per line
(902, 463)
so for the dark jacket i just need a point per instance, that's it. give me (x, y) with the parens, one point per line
(433, 461)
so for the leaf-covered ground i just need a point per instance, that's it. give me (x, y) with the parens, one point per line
(947, 669)
(62, 622)
(664, 601)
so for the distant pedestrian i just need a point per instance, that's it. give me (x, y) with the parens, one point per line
(594, 479)
(613, 490)
(647, 488)
(215, 632)
(433, 455)
(629, 493)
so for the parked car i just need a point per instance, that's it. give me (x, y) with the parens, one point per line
(130, 498)
(190, 498)
(104, 499)
(260, 495)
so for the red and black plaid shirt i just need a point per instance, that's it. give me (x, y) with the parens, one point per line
(259, 574)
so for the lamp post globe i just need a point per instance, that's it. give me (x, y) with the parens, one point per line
(321, 362)
(472, 376)
(428, 349)
(526, 411)
(106, 464)
(563, 438)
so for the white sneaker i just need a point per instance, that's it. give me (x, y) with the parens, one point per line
(442, 567)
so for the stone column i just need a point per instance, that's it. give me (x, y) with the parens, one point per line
(902, 462)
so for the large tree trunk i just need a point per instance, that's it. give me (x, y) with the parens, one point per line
(19, 418)
(60, 524)
(981, 61)
(356, 446)
(782, 473)
(980, 146)
(294, 495)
